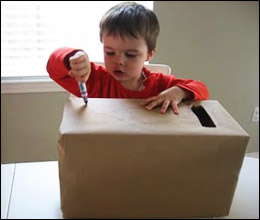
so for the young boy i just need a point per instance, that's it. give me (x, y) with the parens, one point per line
(128, 32)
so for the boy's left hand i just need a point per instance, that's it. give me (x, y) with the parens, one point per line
(170, 97)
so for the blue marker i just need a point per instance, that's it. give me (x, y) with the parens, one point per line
(83, 91)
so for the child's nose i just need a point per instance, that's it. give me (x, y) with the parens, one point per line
(119, 60)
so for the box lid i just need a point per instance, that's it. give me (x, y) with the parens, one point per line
(127, 116)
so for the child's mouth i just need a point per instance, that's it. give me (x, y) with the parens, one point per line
(118, 72)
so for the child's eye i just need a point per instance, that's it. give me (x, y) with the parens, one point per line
(130, 55)
(110, 53)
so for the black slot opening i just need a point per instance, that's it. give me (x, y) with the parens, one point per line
(203, 116)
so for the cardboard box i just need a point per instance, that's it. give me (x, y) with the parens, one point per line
(119, 160)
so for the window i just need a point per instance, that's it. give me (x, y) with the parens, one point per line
(31, 30)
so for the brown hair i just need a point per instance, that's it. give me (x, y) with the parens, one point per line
(131, 19)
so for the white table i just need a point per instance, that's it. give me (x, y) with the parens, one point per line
(35, 191)
(31, 191)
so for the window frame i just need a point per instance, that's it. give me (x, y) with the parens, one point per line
(29, 84)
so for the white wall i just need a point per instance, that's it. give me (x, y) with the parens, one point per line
(216, 42)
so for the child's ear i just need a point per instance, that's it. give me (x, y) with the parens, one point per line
(150, 55)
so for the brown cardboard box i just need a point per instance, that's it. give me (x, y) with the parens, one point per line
(118, 160)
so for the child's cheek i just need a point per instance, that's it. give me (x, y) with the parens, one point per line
(107, 62)
(108, 59)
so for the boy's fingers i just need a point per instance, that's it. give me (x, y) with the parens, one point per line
(79, 66)
(79, 72)
(82, 78)
(154, 104)
(148, 100)
(151, 106)
(164, 106)
(175, 108)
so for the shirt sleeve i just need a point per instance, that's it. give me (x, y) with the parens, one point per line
(58, 68)
(198, 88)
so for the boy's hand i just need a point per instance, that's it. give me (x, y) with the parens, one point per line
(80, 66)
(170, 97)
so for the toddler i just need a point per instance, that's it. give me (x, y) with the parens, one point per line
(128, 32)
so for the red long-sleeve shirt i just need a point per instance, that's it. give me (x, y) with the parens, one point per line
(102, 85)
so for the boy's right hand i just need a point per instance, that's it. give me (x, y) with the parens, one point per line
(80, 66)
